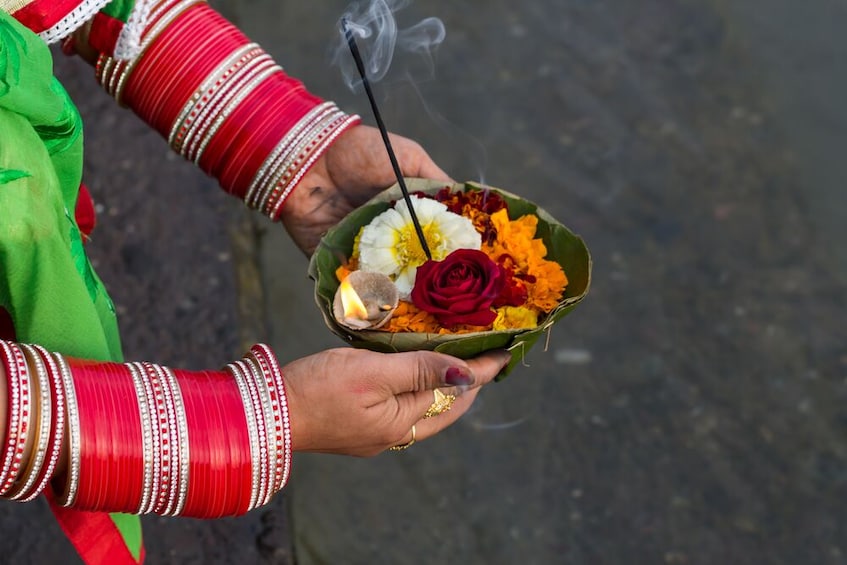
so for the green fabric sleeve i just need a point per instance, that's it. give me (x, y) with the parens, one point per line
(119, 9)
(47, 284)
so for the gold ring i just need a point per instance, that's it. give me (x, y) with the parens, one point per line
(441, 404)
(405, 445)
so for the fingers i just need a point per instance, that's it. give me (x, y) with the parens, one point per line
(431, 426)
(481, 370)
(412, 406)
(359, 402)
(488, 365)
(426, 428)
(418, 371)
(415, 161)
(429, 170)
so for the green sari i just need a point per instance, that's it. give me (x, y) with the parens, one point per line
(47, 284)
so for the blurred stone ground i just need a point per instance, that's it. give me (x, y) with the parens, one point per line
(691, 411)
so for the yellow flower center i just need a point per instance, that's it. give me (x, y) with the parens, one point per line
(410, 250)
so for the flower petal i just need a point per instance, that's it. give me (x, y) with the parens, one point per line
(379, 260)
(405, 282)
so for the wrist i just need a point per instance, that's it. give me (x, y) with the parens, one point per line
(140, 437)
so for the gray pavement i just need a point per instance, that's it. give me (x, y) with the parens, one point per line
(692, 409)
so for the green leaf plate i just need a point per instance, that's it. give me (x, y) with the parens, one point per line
(563, 246)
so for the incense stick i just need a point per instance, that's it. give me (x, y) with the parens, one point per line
(354, 49)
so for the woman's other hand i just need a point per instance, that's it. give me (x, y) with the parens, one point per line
(356, 402)
(351, 171)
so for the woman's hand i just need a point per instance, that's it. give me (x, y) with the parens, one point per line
(356, 402)
(354, 169)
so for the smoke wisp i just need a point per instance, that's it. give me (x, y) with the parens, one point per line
(379, 40)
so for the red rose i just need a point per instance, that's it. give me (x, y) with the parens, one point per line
(460, 289)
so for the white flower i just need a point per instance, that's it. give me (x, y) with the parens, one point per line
(390, 244)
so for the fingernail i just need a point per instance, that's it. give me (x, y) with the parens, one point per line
(458, 376)
(507, 358)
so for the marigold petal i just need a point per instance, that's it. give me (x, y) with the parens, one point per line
(515, 318)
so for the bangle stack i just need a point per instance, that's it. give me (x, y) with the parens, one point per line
(35, 422)
(223, 103)
(144, 438)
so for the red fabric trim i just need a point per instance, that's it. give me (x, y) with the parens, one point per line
(95, 537)
(41, 15)
(104, 34)
(84, 213)
(7, 328)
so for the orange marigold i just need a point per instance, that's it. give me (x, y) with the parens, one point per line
(409, 318)
(515, 238)
(545, 280)
(549, 284)
(515, 318)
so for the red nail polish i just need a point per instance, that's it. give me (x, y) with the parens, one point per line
(457, 376)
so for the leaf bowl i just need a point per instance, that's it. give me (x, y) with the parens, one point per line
(563, 247)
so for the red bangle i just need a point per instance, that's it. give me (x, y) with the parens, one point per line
(67, 485)
(144, 438)
(267, 135)
(254, 141)
(190, 384)
(215, 45)
(262, 351)
(235, 447)
(88, 408)
(221, 148)
(217, 90)
(137, 92)
(241, 406)
(42, 410)
(57, 425)
(190, 67)
(106, 472)
(19, 409)
(110, 426)
(233, 451)
(214, 412)
(276, 433)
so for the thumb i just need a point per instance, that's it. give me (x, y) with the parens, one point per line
(429, 170)
(427, 370)
(417, 371)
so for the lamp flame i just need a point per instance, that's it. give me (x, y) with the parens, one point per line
(351, 303)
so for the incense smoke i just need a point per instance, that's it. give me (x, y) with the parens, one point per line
(379, 38)
(411, 51)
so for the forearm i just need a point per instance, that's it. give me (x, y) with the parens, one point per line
(222, 103)
(139, 437)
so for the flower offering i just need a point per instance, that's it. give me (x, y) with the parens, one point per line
(500, 271)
